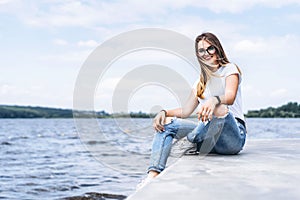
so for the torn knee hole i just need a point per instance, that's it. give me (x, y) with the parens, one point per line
(222, 116)
(221, 111)
(168, 120)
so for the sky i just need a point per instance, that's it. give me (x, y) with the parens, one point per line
(45, 43)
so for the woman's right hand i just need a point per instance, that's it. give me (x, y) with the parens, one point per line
(159, 121)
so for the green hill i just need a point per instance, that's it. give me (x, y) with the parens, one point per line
(44, 112)
(33, 112)
(289, 110)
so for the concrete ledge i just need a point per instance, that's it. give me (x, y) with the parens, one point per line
(265, 169)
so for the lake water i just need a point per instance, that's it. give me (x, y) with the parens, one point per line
(56, 158)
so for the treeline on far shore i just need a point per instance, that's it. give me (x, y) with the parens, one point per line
(289, 110)
(7, 111)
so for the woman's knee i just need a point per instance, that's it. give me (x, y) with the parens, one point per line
(171, 126)
(191, 137)
(168, 120)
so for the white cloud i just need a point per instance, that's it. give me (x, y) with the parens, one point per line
(264, 47)
(88, 43)
(295, 17)
(94, 13)
(5, 1)
(60, 42)
(267, 60)
(269, 66)
(237, 6)
(250, 46)
(71, 56)
(38, 93)
(279, 93)
(57, 14)
(6, 89)
(252, 91)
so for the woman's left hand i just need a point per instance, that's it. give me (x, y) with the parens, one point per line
(206, 110)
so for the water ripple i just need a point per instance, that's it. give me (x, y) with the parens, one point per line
(46, 157)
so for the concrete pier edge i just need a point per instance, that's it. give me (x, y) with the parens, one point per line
(265, 169)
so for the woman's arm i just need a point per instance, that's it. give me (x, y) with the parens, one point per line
(206, 110)
(232, 84)
(183, 112)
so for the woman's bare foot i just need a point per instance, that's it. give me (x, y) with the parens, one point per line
(148, 179)
(152, 174)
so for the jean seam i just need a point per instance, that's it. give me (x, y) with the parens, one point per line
(167, 133)
(160, 155)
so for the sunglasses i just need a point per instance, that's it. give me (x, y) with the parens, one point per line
(210, 50)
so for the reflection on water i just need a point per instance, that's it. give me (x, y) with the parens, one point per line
(48, 158)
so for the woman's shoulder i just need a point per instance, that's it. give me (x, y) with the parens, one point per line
(231, 67)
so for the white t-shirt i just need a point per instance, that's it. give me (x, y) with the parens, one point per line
(216, 87)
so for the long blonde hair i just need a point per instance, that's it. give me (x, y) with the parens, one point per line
(206, 73)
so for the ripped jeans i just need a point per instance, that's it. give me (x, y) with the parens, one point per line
(224, 136)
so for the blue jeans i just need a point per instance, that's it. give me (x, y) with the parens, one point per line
(220, 135)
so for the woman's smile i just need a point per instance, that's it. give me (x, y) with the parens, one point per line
(207, 52)
(208, 57)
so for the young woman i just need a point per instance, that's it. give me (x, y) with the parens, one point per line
(221, 120)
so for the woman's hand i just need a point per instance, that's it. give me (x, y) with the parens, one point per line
(207, 109)
(159, 121)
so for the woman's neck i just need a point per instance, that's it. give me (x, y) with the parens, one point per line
(215, 68)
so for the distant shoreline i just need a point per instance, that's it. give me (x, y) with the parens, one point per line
(289, 110)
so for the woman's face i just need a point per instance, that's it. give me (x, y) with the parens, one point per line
(207, 52)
